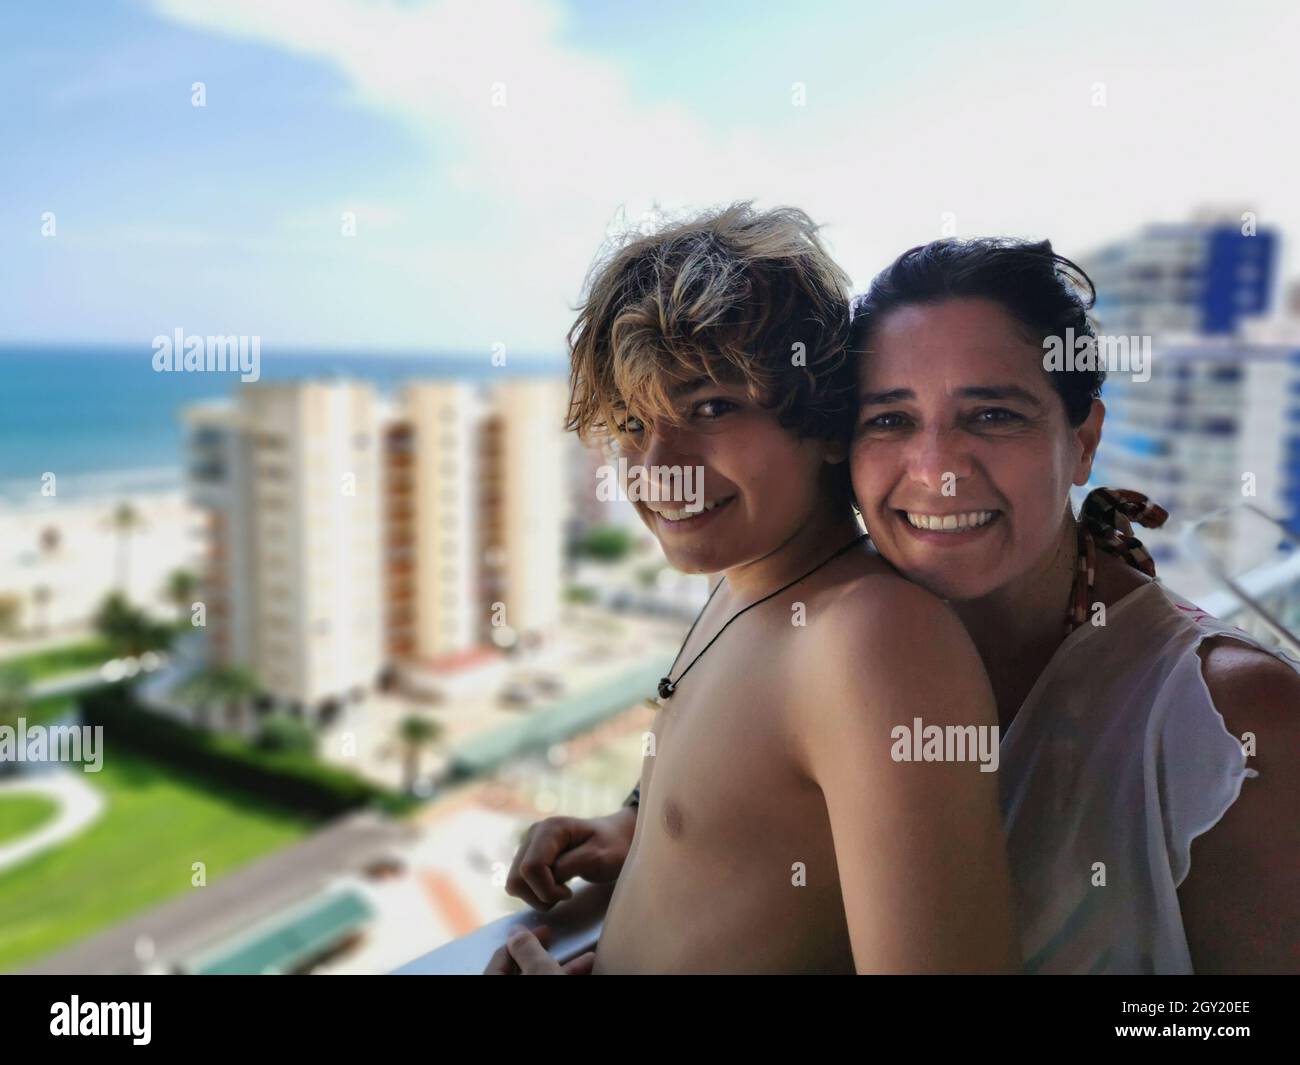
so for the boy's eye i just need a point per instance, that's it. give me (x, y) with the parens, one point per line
(714, 408)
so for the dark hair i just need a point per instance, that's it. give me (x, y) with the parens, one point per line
(1042, 290)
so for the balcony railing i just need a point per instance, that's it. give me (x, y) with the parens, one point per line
(575, 927)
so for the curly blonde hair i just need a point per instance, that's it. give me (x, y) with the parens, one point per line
(735, 295)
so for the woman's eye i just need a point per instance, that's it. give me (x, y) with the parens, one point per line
(996, 416)
(630, 425)
(888, 420)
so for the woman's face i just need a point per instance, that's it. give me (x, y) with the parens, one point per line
(963, 457)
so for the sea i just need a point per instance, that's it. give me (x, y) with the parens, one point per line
(107, 423)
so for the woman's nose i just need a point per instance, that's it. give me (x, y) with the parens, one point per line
(938, 460)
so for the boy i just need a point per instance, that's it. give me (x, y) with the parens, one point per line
(776, 832)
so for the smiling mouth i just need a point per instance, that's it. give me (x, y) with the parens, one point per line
(678, 516)
(949, 523)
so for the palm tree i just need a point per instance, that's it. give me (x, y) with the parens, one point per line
(128, 631)
(124, 521)
(181, 588)
(13, 700)
(415, 733)
(41, 596)
(13, 693)
(227, 686)
(10, 608)
(51, 538)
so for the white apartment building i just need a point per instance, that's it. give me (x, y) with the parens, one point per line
(344, 538)
(291, 477)
(524, 508)
(432, 525)
(478, 505)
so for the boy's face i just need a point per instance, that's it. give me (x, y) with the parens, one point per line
(753, 483)
(960, 426)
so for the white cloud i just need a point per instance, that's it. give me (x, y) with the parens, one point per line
(1003, 134)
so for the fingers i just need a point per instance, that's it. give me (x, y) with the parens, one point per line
(587, 861)
(525, 954)
(530, 955)
(515, 883)
(602, 857)
(532, 875)
(581, 965)
(501, 964)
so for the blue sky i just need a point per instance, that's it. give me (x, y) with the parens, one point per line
(476, 224)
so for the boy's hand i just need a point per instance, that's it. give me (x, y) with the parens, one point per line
(525, 955)
(560, 848)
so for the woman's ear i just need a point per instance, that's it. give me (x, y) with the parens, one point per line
(1088, 434)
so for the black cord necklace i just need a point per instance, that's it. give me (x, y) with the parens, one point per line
(667, 686)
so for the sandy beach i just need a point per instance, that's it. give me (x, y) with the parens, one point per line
(76, 565)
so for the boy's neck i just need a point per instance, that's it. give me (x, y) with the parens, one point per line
(823, 533)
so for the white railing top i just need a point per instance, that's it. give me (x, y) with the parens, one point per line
(575, 927)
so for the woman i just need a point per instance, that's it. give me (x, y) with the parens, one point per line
(1137, 842)
(1121, 705)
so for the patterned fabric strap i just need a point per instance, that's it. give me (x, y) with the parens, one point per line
(1105, 521)
(1107, 514)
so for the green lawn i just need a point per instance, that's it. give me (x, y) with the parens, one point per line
(43, 711)
(137, 855)
(21, 814)
(70, 658)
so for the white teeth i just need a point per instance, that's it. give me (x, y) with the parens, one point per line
(682, 515)
(951, 522)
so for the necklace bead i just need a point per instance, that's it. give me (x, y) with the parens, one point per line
(667, 685)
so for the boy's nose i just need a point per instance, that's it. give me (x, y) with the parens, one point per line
(663, 447)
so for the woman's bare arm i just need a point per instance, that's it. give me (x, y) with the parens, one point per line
(1241, 898)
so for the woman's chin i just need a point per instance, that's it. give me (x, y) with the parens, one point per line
(950, 583)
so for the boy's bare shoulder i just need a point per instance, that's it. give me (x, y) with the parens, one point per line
(874, 636)
(874, 645)
(869, 599)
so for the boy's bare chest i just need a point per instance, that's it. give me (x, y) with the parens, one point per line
(720, 759)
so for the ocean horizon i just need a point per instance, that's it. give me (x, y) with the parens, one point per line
(103, 420)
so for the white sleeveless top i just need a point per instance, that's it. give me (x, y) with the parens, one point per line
(1118, 757)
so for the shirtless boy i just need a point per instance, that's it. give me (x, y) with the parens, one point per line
(775, 831)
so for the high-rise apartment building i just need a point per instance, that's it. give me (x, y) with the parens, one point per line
(1205, 277)
(345, 538)
(1216, 423)
(291, 479)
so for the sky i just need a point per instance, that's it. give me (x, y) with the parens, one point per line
(486, 148)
